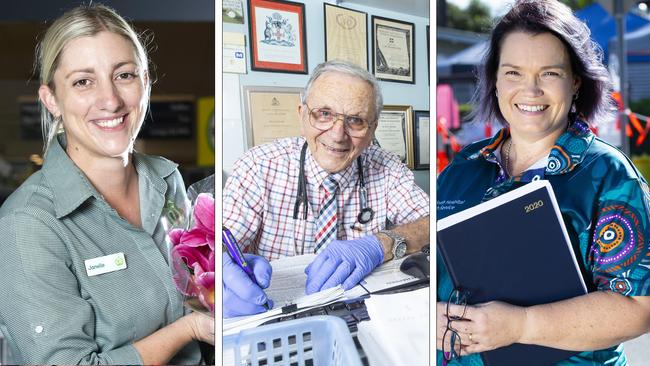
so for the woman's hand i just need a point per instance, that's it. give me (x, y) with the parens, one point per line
(485, 326)
(441, 328)
(202, 327)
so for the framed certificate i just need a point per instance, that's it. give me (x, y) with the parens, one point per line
(270, 113)
(421, 139)
(232, 11)
(346, 35)
(394, 132)
(393, 56)
(277, 34)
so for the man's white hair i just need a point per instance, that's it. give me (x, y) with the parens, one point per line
(347, 68)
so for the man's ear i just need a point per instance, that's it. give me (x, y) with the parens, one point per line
(46, 95)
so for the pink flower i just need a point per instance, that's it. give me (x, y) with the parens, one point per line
(192, 254)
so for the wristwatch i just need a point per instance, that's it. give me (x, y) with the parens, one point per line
(399, 244)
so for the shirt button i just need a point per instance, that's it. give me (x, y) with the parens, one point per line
(38, 329)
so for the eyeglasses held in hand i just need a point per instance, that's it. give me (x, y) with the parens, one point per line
(323, 119)
(451, 341)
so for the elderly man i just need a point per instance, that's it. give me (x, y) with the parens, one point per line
(328, 192)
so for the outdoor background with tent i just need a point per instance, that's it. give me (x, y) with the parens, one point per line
(460, 51)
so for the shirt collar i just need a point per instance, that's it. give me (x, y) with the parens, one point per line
(569, 149)
(154, 170)
(71, 187)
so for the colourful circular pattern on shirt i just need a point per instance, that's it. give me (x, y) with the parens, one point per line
(621, 286)
(610, 237)
(554, 164)
(618, 239)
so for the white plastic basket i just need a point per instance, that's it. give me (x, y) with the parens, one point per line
(314, 340)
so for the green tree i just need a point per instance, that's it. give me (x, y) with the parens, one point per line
(476, 17)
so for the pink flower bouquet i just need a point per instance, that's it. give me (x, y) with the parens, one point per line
(192, 254)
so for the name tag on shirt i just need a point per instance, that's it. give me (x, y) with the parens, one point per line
(105, 264)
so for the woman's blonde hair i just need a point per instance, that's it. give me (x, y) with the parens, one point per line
(82, 21)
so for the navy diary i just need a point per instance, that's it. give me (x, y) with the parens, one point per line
(513, 248)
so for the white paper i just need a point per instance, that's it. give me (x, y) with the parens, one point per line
(288, 279)
(398, 332)
(234, 53)
(287, 287)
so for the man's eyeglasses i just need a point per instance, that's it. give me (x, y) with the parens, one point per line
(451, 342)
(324, 118)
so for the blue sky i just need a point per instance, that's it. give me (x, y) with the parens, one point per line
(497, 7)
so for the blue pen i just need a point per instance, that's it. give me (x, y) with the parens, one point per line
(238, 257)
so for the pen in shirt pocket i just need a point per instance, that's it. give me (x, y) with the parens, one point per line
(238, 257)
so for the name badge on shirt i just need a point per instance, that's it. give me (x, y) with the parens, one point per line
(105, 264)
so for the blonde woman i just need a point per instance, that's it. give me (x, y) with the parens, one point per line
(84, 272)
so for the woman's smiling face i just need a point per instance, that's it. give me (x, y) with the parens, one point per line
(535, 84)
(100, 92)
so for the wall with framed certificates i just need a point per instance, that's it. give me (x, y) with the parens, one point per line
(329, 32)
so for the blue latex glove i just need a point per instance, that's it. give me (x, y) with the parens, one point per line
(241, 296)
(344, 262)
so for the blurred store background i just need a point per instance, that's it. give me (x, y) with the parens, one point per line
(180, 126)
(462, 31)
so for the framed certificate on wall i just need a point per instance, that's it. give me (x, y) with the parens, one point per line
(393, 56)
(346, 35)
(421, 140)
(277, 34)
(394, 132)
(270, 113)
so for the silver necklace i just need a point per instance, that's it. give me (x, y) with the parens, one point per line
(507, 165)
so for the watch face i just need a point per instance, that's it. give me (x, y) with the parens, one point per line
(400, 250)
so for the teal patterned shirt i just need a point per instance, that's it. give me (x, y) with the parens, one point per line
(605, 203)
(51, 310)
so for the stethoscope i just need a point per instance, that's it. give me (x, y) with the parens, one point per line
(365, 213)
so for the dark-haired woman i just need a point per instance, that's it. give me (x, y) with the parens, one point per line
(542, 79)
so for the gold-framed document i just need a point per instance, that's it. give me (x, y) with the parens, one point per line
(393, 52)
(421, 139)
(395, 133)
(270, 113)
(346, 35)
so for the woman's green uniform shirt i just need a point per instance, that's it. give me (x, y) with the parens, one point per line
(51, 311)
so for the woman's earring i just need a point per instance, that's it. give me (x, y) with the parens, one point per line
(496, 92)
